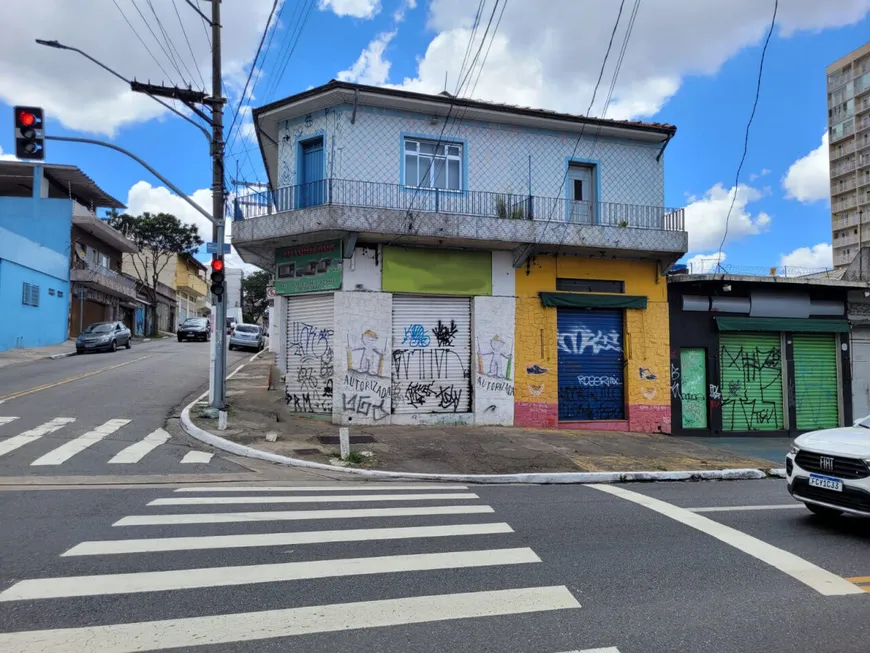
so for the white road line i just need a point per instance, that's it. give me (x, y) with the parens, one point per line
(345, 487)
(69, 449)
(206, 501)
(137, 451)
(34, 434)
(6, 420)
(110, 547)
(822, 581)
(297, 515)
(608, 649)
(160, 581)
(197, 457)
(255, 626)
(783, 506)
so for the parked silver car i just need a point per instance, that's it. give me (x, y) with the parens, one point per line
(104, 336)
(247, 336)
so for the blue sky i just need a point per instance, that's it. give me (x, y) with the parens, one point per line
(701, 81)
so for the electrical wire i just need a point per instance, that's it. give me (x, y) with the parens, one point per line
(474, 26)
(253, 67)
(173, 51)
(189, 47)
(293, 42)
(148, 25)
(205, 26)
(748, 125)
(142, 41)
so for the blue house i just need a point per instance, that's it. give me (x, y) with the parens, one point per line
(37, 204)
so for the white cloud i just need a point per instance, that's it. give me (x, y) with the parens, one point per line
(404, 8)
(371, 67)
(703, 263)
(758, 175)
(353, 8)
(817, 256)
(142, 197)
(705, 217)
(808, 179)
(548, 54)
(86, 98)
(7, 157)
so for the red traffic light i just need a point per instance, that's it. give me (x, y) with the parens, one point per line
(217, 264)
(26, 119)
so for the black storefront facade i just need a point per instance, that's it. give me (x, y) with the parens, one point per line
(758, 356)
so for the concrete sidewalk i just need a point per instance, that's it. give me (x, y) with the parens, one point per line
(255, 412)
(16, 356)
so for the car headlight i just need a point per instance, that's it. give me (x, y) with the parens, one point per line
(794, 449)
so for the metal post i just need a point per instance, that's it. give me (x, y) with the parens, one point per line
(218, 213)
(81, 307)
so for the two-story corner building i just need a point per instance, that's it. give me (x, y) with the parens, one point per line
(42, 209)
(440, 260)
(191, 288)
(99, 289)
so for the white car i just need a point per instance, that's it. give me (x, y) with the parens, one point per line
(829, 470)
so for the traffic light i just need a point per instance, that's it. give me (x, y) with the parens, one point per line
(217, 279)
(29, 133)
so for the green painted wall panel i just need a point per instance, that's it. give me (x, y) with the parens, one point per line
(815, 381)
(437, 272)
(750, 368)
(693, 392)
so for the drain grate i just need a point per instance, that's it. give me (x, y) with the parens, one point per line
(354, 439)
(307, 452)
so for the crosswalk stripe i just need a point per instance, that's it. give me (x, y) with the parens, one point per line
(110, 547)
(20, 440)
(324, 488)
(71, 448)
(138, 450)
(159, 581)
(297, 515)
(197, 457)
(254, 626)
(6, 420)
(198, 501)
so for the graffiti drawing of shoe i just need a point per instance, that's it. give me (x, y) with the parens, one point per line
(536, 369)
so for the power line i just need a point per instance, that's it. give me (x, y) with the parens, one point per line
(475, 24)
(253, 67)
(748, 125)
(141, 40)
(173, 51)
(189, 48)
(293, 42)
(148, 25)
(205, 27)
(591, 103)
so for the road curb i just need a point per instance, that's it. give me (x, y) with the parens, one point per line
(66, 355)
(778, 472)
(530, 479)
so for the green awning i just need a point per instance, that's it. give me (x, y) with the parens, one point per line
(592, 300)
(791, 324)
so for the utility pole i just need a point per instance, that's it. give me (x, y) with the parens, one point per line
(217, 155)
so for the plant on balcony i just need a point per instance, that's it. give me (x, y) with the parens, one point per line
(504, 210)
(160, 238)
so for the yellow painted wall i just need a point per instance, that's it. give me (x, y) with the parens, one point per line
(186, 275)
(646, 340)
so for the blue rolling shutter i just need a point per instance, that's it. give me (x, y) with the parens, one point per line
(311, 192)
(591, 370)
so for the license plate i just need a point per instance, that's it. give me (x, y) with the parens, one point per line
(90, 345)
(826, 482)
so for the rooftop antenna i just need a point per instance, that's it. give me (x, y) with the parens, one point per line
(445, 81)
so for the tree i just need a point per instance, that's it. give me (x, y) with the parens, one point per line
(254, 299)
(160, 238)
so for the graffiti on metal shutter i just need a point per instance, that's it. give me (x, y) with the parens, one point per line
(693, 399)
(310, 359)
(591, 374)
(751, 382)
(367, 382)
(814, 387)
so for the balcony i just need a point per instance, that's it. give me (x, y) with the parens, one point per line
(88, 221)
(842, 169)
(190, 283)
(382, 212)
(103, 279)
(842, 223)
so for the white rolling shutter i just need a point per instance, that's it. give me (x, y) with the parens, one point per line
(310, 353)
(431, 354)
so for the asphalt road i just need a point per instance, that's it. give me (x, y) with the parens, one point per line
(71, 416)
(531, 570)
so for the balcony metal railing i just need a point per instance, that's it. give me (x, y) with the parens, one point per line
(511, 206)
(101, 274)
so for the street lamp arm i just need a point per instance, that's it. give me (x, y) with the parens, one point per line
(168, 183)
(61, 46)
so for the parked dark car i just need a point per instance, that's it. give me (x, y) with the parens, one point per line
(195, 328)
(104, 336)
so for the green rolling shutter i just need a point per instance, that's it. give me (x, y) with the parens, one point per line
(693, 392)
(815, 381)
(750, 368)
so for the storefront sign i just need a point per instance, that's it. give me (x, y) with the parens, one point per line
(308, 268)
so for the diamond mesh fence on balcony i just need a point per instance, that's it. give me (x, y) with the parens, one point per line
(365, 194)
